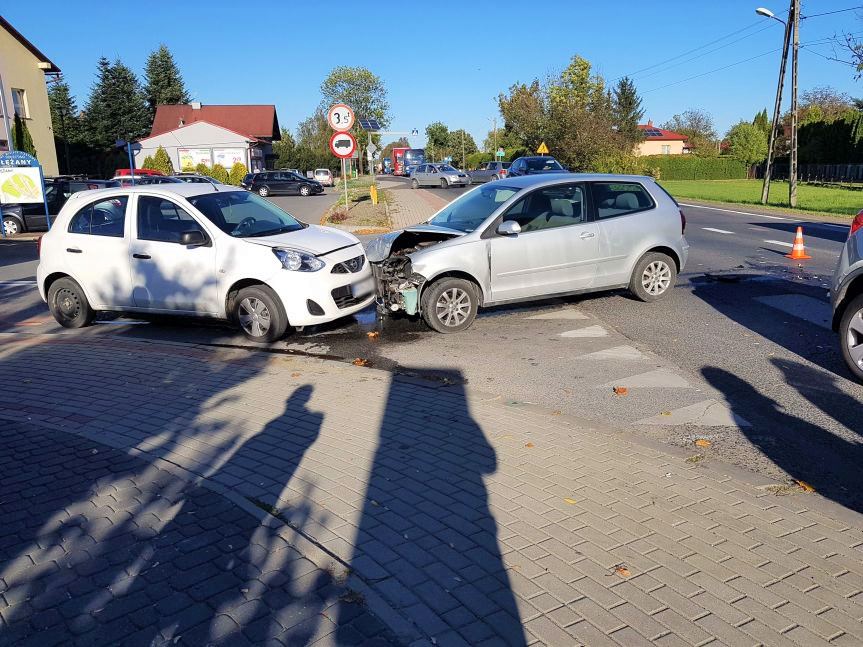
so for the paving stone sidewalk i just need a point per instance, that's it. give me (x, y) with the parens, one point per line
(411, 205)
(463, 519)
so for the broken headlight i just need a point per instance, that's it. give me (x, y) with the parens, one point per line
(297, 261)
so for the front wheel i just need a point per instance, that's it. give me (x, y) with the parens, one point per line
(851, 336)
(305, 190)
(260, 314)
(654, 275)
(444, 184)
(450, 305)
(69, 304)
(11, 226)
(494, 177)
(415, 184)
(263, 191)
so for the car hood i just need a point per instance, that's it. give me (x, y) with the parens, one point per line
(313, 239)
(379, 248)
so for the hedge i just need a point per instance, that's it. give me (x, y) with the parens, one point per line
(692, 167)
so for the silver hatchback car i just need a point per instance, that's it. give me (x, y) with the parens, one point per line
(847, 298)
(532, 237)
(442, 175)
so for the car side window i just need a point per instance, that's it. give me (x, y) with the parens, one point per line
(102, 218)
(551, 207)
(162, 220)
(620, 198)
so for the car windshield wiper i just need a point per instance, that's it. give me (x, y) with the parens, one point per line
(273, 232)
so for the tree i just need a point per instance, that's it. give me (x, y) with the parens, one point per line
(163, 82)
(162, 162)
(21, 138)
(762, 122)
(116, 108)
(823, 104)
(64, 118)
(747, 143)
(284, 149)
(523, 111)
(437, 139)
(502, 138)
(148, 162)
(460, 145)
(314, 133)
(627, 111)
(698, 126)
(237, 173)
(363, 91)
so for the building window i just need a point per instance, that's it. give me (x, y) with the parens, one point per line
(666, 149)
(19, 103)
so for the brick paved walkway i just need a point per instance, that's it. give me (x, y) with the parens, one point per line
(411, 205)
(465, 520)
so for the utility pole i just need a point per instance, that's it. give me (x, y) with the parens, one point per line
(10, 145)
(765, 191)
(462, 149)
(792, 177)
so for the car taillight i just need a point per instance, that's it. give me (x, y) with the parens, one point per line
(682, 223)
(856, 224)
(39, 247)
(502, 172)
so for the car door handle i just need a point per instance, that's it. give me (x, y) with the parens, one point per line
(587, 234)
(144, 257)
(73, 250)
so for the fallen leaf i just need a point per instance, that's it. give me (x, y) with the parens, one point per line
(372, 334)
(621, 570)
(295, 374)
(620, 390)
(359, 361)
(805, 486)
(702, 442)
(570, 501)
(529, 445)
(556, 413)
(665, 413)
(695, 459)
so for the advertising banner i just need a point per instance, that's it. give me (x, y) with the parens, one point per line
(191, 157)
(21, 185)
(227, 157)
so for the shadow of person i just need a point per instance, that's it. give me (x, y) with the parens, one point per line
(427, 540)
(804, 451)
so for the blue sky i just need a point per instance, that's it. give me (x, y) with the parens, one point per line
(447, 62)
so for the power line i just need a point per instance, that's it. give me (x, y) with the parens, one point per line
(718, 69)
(827, 58)
(830, 13)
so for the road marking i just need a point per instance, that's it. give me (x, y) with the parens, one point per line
(718, 231)
(708, 413)
(801, 306)
(779, 242)
(660, 378)
(743, 213)
(590, 331)
(617, 352)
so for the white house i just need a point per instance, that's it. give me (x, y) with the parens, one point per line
(193, 134)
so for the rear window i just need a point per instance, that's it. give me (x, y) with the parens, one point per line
(543, 164)
(620, 198)
(505, 164)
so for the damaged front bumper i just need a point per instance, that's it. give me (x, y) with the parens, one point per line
(397, 285)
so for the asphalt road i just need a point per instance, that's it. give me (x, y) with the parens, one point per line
(745, 328)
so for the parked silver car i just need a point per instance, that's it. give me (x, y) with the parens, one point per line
(532, 237)
(442, 175)
(847, 298)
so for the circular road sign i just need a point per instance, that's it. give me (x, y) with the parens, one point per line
(343, 145)
(340, 117)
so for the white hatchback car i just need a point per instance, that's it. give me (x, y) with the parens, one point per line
(198, 249)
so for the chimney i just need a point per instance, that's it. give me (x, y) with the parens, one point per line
(650, 122)
(196, 105)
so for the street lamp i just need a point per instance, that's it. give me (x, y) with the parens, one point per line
(762, 11)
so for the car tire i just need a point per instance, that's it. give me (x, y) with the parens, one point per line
(415, 184)
(259, 314)
(12, 226)
(263, 191)
(653, 277)
(305, 190)
(851, 340)
(494, 177)
(450, 305)
(69, 304)
(444, 184)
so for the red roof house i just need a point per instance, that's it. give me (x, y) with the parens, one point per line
(658, 141)
(255, 122)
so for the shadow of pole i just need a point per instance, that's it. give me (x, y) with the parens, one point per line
(427, 540)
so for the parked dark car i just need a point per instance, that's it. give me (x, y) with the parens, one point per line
(489, 171)
(535, 165)
(21, 218)
(285, 182)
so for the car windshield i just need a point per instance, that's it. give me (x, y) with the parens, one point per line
(469, 211)
(446, 168)
(244, 215)
(544, 164)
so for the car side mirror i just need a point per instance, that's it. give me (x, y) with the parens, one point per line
(509, 228)
(193, 238)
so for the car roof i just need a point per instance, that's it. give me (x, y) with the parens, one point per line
(183, 189)
(525, 181)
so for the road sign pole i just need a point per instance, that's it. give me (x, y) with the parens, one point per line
(345, 176)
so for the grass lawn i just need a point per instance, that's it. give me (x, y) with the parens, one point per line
(819, 199)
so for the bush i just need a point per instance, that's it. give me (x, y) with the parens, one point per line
(692, 167)
(237, 173)
(162, 162)
(219, 173)
(474, 160)
(147, 163)
(202, 169)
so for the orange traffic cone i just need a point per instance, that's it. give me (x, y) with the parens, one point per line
(798, 253)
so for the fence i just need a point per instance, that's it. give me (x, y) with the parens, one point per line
(814, 173)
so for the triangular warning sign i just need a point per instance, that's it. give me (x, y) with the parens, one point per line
(542, 150)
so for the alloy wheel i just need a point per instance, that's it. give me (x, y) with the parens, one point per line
(656, 278)
(453, 307)
(254, 317)
(854, 338)
(10, 226)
